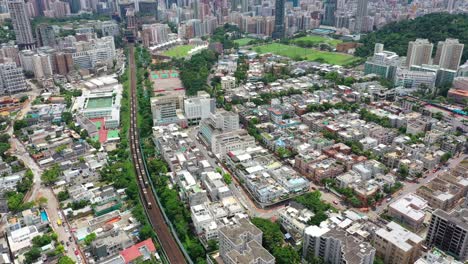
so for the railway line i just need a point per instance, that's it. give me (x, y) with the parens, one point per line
(155, 215)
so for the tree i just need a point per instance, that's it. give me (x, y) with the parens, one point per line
(51, 175)
(286, 255)
(67, 117)
(15, 202)
(41, 201)
(90, 238)
(66, 260)
(146, 232)
(403, 171)
(445, 157)
(355, 201)
(378, 260)
(32, 255)
(212, 245)
(60, 148)
(435, 27)
(63, 195)
(227, 178)
(19, 124)
(438, 115)
(40, 241)
(23, 98)
(4, 147)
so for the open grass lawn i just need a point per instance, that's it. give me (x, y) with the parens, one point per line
(318, 40)
(178, 51)
(243, 41)
(298, 53)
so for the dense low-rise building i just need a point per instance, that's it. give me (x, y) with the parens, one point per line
(409, 210)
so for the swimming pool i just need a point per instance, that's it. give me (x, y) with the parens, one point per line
(44, 216)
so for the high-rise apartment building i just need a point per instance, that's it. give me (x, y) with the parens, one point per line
(396, 245)
(329, 12)
(21, 24)
(419, 52)
(63, 63)
(154, 34)
(361, 15)
(11, 79)
(449, 232)
(75, 6)
(45, 35)
(278, 32)
(449, 53)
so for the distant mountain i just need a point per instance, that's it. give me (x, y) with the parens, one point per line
(435, 27)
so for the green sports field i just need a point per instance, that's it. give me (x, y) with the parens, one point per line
(178, 51)
(318, 40)
(243, 41)
(299, 53)
(99, 102)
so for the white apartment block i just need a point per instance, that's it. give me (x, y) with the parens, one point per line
(11, 79)
(242, 243)
(414, 79)
(336, 246)
(228, 83)
(198, 108)
(89, 53)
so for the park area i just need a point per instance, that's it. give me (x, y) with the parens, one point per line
(314, 40)
(178, 51)
(243, 41)
(299, 53)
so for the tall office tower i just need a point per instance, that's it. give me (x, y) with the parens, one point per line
(21, 24)
(244, 6)
(361, 14)
(340, 4)
(450, 5)
(449, 53)
(278, 33)
(419, 52)
(196, 9)
(449, 232)
(75, 6)
(329, 12)
(45, 35)
(11, 79)
(295, 3)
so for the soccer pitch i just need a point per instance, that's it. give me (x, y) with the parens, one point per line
(299, 53)
(318, 39)
(178, 51)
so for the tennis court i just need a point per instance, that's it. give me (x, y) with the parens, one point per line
(164, 74)
(99, 102)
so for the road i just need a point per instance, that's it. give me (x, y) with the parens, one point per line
(37, 190)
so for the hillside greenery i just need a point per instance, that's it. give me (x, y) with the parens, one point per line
(435, 27)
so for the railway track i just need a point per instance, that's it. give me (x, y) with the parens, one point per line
(156, 218)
